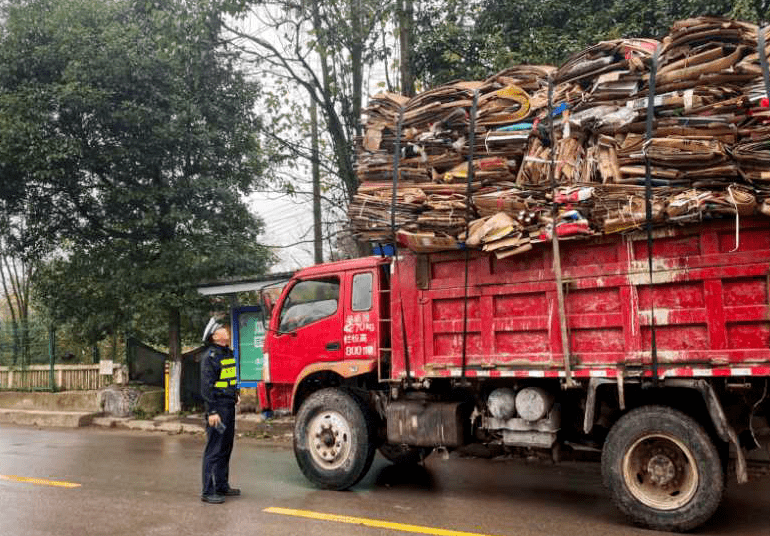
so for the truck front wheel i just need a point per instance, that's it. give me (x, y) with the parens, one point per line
(662, 469)
(333, 439)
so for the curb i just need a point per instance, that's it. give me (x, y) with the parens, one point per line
(128, 423)
(53, 419)
(247, 425)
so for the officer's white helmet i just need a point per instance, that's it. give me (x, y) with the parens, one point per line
(211, 327)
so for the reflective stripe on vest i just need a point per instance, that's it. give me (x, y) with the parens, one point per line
(227, 377)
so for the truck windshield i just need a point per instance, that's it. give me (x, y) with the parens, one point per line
(309, 301)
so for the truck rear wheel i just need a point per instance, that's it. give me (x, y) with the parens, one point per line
(333, 439)
(662, 469)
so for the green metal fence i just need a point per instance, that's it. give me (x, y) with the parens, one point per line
(37, 357)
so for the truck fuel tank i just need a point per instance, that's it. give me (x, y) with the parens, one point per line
(502, 403)
(422, 423)
(533, 403)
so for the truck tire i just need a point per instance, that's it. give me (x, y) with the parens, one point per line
(404, 455)
(333, 439)
(662, 469)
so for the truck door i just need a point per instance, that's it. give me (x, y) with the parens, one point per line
(360, 330)
(309, 328)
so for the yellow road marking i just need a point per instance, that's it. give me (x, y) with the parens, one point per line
(39, 481)
(377, 523)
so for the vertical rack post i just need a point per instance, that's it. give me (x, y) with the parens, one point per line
(568, 382)
(648, 201)
(469, 200)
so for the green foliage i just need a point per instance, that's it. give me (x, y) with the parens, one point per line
(69, 347)
(130, 114)
(34, 334)
(122, 285)
(472, 40)
(127, 138)
(449, 45)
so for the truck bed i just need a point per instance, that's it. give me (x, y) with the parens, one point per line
(708, 305)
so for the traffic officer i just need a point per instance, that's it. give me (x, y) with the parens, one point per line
(220, 394)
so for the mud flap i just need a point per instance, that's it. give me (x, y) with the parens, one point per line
(760, 424)
(719, 420)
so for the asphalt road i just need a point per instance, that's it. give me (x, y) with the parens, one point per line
(132, 483)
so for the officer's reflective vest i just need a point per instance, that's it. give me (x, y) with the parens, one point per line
(227, 376)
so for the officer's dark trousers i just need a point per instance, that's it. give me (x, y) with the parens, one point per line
(216, 457)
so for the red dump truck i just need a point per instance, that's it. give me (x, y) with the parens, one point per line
(657, 358)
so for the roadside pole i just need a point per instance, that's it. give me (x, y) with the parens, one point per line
(165, 387)
(52, 357)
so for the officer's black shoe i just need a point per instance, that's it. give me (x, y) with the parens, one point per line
(214, 498)
(230, 492)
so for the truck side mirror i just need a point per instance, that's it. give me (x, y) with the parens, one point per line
(267, 307)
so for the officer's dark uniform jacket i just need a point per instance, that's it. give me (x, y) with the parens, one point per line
(218, 379)
(219, 391)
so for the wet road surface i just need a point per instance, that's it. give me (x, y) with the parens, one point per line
(131, 483)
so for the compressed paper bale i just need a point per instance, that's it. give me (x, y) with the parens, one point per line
(710, 129)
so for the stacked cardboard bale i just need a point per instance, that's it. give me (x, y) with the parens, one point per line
(709, 155)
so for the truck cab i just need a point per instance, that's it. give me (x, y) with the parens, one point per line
(330, 322)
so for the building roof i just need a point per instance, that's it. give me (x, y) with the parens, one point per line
(234, 286)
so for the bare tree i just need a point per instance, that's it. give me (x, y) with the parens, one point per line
(329, 51)
(16, 275)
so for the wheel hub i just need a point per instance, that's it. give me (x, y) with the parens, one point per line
(661, 470)
(327, 442)
(329, 439)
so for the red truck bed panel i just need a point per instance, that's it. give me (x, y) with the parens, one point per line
(710, 303)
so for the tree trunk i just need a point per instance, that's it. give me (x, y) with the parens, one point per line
(341, 142)
(6, 277)
(24, 338)
(317, 234)
(405, 22)
(175, 362)
(114, 352)
(358, 43)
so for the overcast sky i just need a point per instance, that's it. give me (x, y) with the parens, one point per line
(287, 221)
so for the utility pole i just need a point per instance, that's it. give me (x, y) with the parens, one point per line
(317, 235)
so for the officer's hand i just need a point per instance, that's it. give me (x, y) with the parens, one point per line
(214, 419)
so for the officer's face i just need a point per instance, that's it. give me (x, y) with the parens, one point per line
(221, 337)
